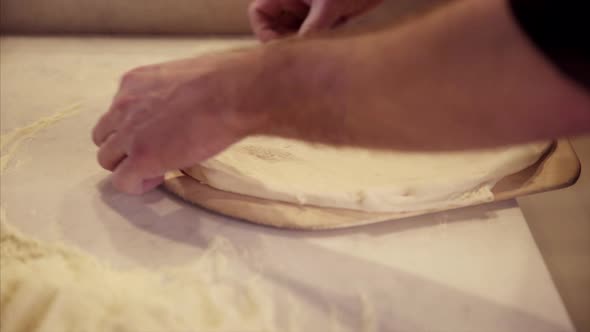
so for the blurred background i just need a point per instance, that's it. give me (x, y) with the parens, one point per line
(156, 16)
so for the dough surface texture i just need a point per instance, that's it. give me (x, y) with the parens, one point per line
(359, 179)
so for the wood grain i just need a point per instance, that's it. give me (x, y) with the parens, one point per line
(558, 168)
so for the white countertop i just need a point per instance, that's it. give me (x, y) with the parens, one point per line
(472, 269)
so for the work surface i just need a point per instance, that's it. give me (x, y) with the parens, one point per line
(473, 269)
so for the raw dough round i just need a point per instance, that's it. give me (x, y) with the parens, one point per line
(292, 171)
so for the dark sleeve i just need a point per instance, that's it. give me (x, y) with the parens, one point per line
(561, 30)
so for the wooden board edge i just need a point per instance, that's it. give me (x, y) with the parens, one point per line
(559, 168)
(269, 213)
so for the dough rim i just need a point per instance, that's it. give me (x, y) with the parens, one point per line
(474, 190)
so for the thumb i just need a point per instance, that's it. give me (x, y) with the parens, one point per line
(320, 17)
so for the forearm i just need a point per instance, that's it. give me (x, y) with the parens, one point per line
(464, 76)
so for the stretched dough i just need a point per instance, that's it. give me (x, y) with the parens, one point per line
(359, 179)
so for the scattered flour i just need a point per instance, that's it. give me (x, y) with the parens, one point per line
(51, 287)
(11, 141)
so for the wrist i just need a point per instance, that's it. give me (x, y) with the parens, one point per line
(258, 85)
(301, 79)
(242, 87)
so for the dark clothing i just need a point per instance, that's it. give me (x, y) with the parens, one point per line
(561, 31)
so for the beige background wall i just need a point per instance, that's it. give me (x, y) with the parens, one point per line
(124, 16)
(153, 16)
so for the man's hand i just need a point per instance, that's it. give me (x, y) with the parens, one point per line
(271, 19)
(175, 115)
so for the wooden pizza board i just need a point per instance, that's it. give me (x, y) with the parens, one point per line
(559, 167)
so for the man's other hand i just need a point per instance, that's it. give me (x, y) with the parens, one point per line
(271, 19)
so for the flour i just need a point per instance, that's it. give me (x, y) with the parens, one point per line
(11, 141)
(51, 287)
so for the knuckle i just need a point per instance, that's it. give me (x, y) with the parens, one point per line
(253, 7)
(102, 159)
(133, 75)
(128, 77)
(147, 155)
(140, 149)
(124, 102)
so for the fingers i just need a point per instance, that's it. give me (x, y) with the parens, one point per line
(320, 17)
(111, 152)
(121, 149)
(110, 121)
(152, 183)
(103, 129)
(298, 8)
(134, 176)
(131, 174)
(260, 14)
(126, 179)
(271, 19)
(134, 159)
(104, 135)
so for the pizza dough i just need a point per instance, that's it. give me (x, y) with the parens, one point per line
(292, 171)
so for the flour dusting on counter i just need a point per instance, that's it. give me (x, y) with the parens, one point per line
(11, 141)
(51, 287)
